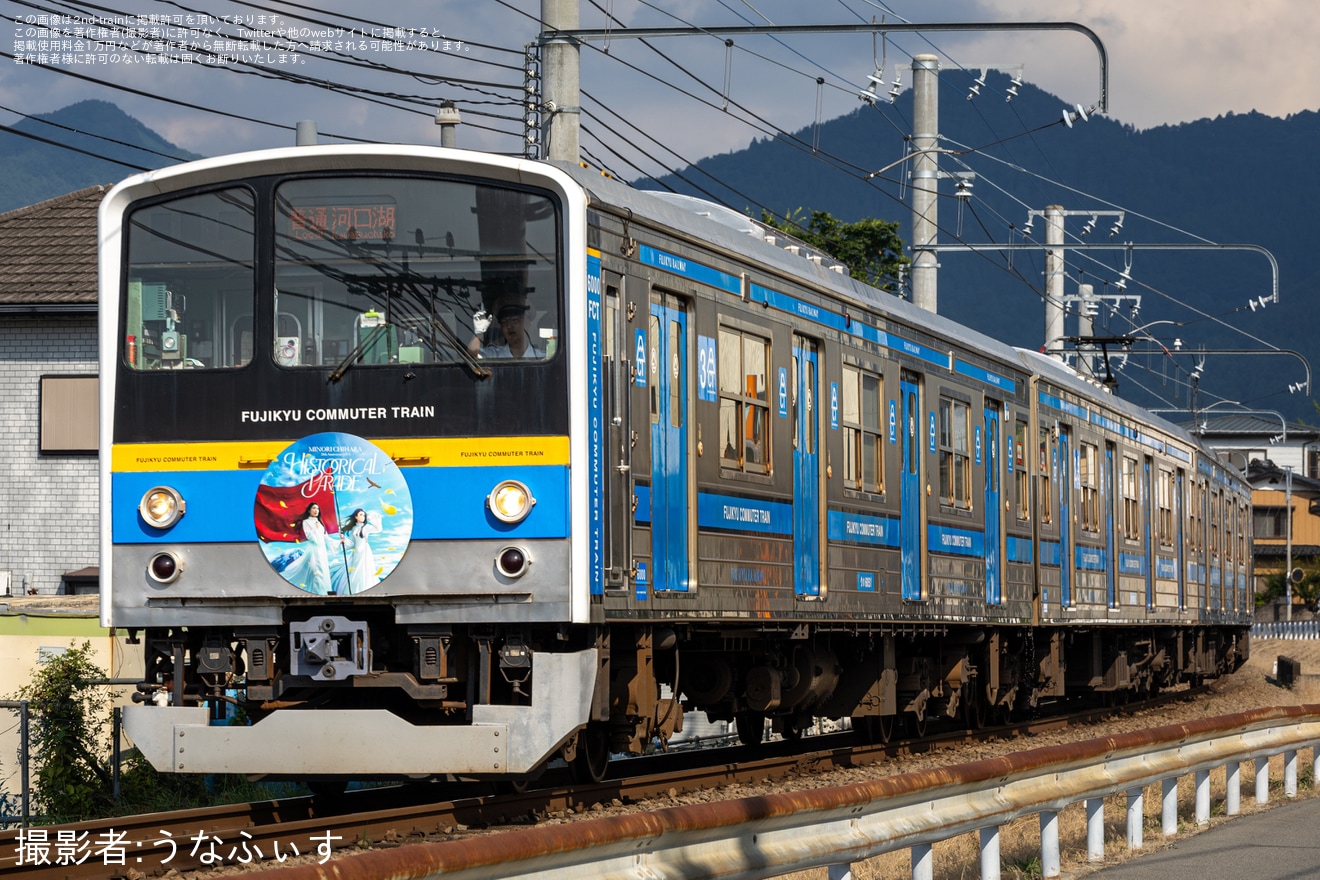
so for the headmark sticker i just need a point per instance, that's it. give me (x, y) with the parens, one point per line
(333, 514)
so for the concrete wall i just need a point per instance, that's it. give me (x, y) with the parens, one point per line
(48, 503)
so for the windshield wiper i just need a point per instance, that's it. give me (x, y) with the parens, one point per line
(356, 354)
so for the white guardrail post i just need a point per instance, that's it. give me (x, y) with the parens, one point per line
(1233, 788)
(1136, 811)
(990, 853)
(1049, 844)
(836, 828)
(1202, 798)
(1169, 803)
(1095, 829)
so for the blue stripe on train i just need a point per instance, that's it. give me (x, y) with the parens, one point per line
(448, 504)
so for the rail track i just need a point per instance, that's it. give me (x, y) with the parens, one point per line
(271, 832)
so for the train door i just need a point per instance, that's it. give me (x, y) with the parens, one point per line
(617, 452)
(913, 497)
(667, 364)
(1150, 509)
(994, 530)
(1107, 502)
(1065, 517)
(1180, 524)
(806, 469)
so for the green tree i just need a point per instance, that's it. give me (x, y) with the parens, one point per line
(68, 737)
(870, 248)
(1308, 591)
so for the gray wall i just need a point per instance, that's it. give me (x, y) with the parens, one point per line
(48, 503)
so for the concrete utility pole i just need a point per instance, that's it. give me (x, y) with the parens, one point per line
(1085, 328)
(560, 132)
(925, 181)
(1054, 275)
(448, 118)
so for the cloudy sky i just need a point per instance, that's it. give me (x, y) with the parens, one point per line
(1169, 60)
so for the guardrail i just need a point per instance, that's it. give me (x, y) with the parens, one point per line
(1287, 629)
(833, 827)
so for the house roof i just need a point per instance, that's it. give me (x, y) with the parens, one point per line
(48, 252)
(1267, 475)
(1250, 426)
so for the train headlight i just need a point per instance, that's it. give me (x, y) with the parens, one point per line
(510, 501)
(161, 507)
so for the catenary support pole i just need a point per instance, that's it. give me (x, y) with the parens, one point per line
(925, 181)
(561, 134)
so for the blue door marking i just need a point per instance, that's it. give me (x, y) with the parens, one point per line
(1180, 517)
(993, 521)
(806, 475)
(1148, 505)
(1107, 502)
(910, 524)
(669, 496)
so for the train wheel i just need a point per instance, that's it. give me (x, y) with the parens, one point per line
(750, 727)
(875, 729)
(975, 710)
(916, 725)
(593, 753)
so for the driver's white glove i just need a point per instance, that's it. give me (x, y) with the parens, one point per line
(480, 321)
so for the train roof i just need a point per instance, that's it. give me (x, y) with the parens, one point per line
(727, 229)
(700, 223)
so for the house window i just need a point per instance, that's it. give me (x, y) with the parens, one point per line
(68, 415)
(863, 454)
(1270, 522)
(744, 401)
(955, 464)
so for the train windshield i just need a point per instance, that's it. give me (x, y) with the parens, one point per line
(367, 271)
(191, 283)
(380, 270)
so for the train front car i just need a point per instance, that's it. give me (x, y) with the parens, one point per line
(331, 504)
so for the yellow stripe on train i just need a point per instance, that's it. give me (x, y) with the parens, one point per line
(406, 452)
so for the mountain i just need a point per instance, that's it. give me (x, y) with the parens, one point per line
(1238, 179)
(36, 171)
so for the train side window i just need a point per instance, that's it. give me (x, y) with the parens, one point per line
(1045, 497)
(863, 452)
(1165, 486)
(804, 376)
(1215, 517)
(1021, 478)
(1086, 476)
(1131, 503)
(190, 286)
(955, 463)
(744, 401)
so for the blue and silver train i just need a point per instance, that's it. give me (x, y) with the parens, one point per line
(435, 462)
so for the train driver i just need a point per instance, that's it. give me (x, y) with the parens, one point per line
(511, 315)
